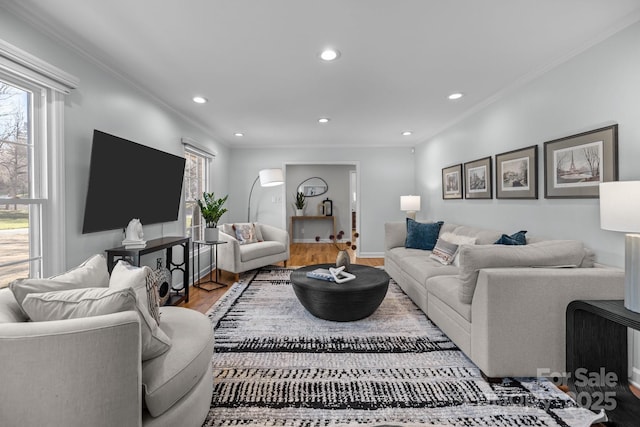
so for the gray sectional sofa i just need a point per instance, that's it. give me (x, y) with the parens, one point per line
(503, 306)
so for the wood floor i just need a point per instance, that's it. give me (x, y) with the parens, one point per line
(301, 254)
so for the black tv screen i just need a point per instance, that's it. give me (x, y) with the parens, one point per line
(129, 180)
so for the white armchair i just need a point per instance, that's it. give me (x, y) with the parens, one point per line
(237, 258)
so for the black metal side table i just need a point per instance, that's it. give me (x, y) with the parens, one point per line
(597, 358)
(211, 284)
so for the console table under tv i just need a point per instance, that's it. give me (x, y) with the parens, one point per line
(155, 245)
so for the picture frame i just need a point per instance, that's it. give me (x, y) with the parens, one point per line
(478, 179)
(574, 166)
(452, 182)
(517, 174)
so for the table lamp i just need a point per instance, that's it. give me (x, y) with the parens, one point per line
(410, 204)
(620, 211)
(268, 178)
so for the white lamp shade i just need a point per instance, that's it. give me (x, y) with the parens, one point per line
(620, 206)
(409, 203)
(271, 177)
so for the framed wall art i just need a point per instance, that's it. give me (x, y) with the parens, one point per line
(452, 182)
(574, 166)
(517, 174)
(477, 179)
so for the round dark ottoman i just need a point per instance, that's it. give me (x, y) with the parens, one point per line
(342, 302)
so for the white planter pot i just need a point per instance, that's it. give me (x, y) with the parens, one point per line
(299, 212)
(211, 234)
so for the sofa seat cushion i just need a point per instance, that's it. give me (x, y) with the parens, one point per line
(261, 250)
(446, 289)
(170, 376)
(417, 264)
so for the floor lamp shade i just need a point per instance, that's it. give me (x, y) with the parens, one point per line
(268, 178)
(410, 204)
(620, 211)
(271, 177)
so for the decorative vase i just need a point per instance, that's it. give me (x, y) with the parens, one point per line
(300, 212)
(343, 259)
(211, 234)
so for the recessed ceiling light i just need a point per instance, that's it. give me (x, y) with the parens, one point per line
(324, 120)
(329, 54)
(456, 95)
(238, 134)
(406, 133)
(199, 99)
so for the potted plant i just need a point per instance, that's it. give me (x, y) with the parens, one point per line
(299, 203)
(211, 210)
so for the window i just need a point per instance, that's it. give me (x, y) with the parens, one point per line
(32, 222)
(196, 178)
(21, 193)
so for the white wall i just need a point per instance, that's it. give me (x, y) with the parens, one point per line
(599, 87)
(385, 175)
(108, 103)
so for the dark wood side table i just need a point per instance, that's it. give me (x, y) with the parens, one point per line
(155, 245)
(196, 271)
(596, 352)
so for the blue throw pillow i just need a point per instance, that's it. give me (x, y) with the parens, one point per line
(422, 235)
(515, 239)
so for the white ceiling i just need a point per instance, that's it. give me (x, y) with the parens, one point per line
(256, 60)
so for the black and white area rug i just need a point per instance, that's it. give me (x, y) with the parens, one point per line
(275, 364)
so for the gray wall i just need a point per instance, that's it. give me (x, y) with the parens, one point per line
(108, 103)
(599, 87)
(594, 89)
(385, 174)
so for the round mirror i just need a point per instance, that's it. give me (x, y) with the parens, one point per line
(312, 187)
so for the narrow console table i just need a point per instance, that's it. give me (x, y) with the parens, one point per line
(155, 245)
(311, 218)
(597, 358)
(197, 282)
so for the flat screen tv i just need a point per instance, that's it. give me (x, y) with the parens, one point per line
(129, 180)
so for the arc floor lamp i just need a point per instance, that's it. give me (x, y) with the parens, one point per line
(268, 178)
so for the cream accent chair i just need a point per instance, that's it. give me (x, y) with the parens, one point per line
(236, 258)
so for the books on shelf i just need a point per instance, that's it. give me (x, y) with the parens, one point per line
(337, 275)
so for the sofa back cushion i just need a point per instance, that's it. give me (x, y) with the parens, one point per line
(482, 235)
(548, 253)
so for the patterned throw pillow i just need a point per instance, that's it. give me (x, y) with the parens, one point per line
(258, 232)
(458, 239)
(245, 233)
(444, 252)
(422, 235)
(518, 238)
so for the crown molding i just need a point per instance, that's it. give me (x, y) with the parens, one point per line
(42, 25)
(28, 66)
